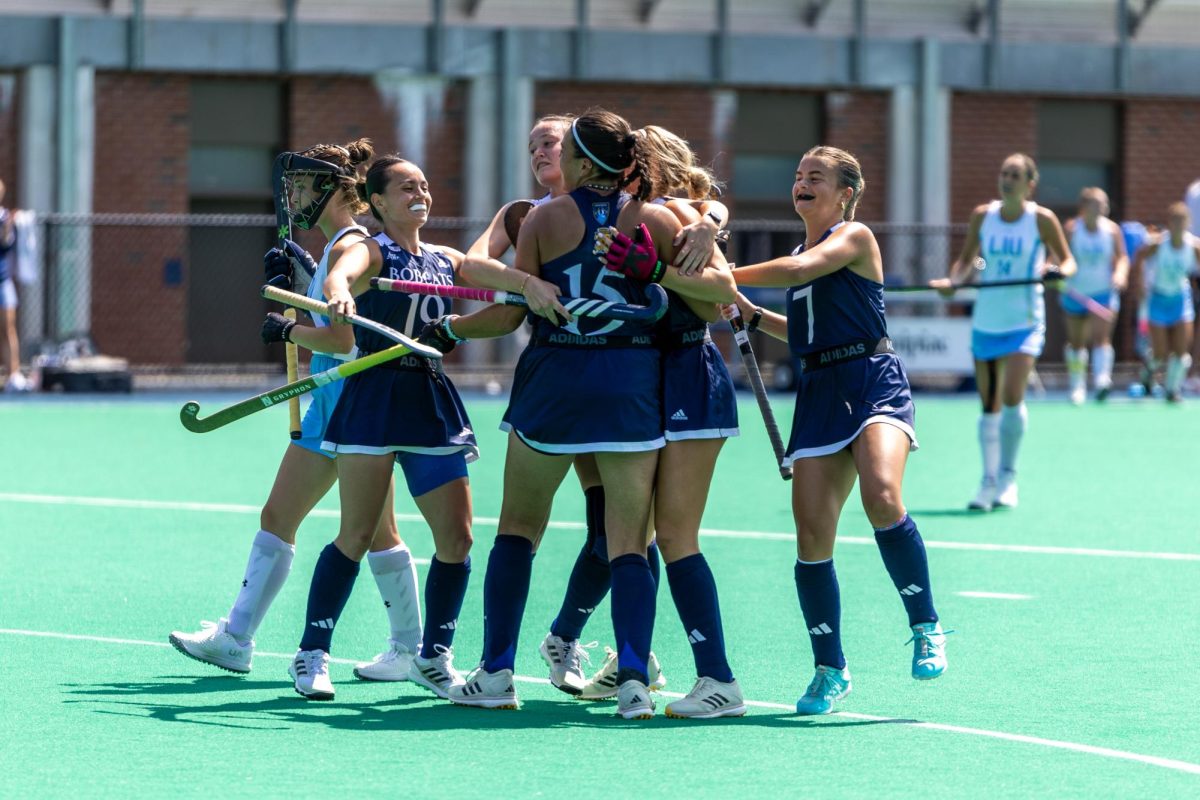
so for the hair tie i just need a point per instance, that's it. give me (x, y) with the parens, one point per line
(588, 153)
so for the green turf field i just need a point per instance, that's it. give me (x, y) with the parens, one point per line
(1080, 680)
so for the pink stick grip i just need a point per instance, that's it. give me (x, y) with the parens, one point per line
(456, 292)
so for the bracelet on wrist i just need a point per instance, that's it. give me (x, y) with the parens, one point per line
(524, 282)
(716, 219)
(657, 273)
(755, 318)
(449, 331)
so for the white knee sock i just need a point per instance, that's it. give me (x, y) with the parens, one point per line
(396, 576)
(989, 445)
(1177, 370)
(1102, 366)
(1013, 421)
(268, 568)
(1076, 359)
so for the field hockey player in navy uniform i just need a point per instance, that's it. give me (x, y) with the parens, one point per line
(1102, 273)
(590, 386)
(403, 411)
(1168, 263)
(323, 195)
(853, 419)
(1007, 239)
(700, 412)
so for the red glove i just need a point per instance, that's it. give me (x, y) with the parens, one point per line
(635, 257)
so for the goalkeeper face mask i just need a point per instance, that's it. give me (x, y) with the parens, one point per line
(307, 185)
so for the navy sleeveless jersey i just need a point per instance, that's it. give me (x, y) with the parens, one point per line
(835, 309)
(581, 273)
(5, 247)
(407, 313)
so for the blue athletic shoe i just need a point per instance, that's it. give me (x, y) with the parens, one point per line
(929, 650)
(828, 685)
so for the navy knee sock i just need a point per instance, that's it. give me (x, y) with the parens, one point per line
(505, 590)
(821, 603)
(903, 554)
(633, 609)
(445, 588)
(590, 579)
(695, 595)
(332, 582)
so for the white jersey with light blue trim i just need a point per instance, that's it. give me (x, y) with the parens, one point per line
(1010, 251)
(1169, 270)
(1094, 252)
(316, 287)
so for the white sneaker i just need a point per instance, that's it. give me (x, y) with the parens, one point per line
(985, 498)
(1078, 394)
(214, 645)
(391, 665)
(633, 701)
(603, 685)
(1006, 490)
(436, 674)
(310, 671)
(709, 699)
(563, 659)
(17, 383)
(484, 689)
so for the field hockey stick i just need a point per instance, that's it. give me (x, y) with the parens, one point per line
(283, 232)
(189, 415)
(317, 307)
(293, 374)
(514, 215)
(742, 337)
(1103, 312)
(578, 306)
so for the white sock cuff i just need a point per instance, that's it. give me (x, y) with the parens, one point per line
(1019, 410)
(269, 541)
(394, 559)
(814, 563)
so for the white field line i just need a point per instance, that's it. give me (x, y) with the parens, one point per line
(995, 595)
(717, 533)
(1075, 747)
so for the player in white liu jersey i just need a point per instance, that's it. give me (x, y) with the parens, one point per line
(1168, 263)
(1102, 270)
(1007, 240)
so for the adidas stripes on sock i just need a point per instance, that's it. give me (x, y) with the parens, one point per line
(695, 594)
(821, 604)
(332, 582)
(445, 588)
(903, 553)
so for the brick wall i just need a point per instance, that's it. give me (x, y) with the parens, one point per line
(1161, 155)
(984, 129)
(141, 166)
(858, 122)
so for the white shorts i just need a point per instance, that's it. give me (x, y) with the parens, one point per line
(8, 294)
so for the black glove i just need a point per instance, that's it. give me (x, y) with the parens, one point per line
(277, 328)
(279, 264)
(438, 334)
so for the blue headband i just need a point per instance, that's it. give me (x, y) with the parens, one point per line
(588, 153)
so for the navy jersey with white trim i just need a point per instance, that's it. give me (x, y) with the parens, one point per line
(407, 313)
(581, 273)
(833, 310)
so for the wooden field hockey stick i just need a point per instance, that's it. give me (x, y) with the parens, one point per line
(293, 374)
(189, 415)
(283, 232)
(317, 307)
(577, 306)
(742, 337)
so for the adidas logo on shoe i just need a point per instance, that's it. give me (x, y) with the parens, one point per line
(327, 624)
(820, 630)
(911, 589)
(696, 637)
(679, 416)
